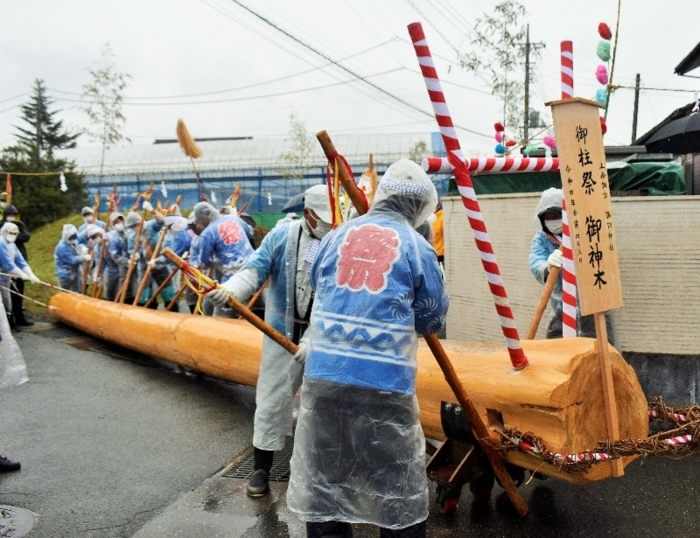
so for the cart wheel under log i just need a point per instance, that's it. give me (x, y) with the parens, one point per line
(481, 488)
(447, 499)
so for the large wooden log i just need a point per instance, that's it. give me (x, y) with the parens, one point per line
(559, 397)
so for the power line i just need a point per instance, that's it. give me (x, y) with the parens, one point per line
(248, 98)
(340, 66)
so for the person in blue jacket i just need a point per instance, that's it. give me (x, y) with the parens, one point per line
(224, 244)
(116, 256)
(359, 450)
(68, 258)
(284, 256)
(89, 219)
(545, 253)
(13, 266)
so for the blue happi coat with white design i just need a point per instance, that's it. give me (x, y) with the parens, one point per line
(225, 243)
(378, 285)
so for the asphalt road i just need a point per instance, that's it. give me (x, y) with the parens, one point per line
(113, 444)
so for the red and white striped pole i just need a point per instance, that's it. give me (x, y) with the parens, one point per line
(441, 165)
(568, 282)
(568, 294)
(466, 190)
(567, 69)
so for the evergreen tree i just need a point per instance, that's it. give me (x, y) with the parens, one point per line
(38, 197)
(45, 134)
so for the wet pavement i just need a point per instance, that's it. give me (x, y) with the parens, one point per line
(115, 444)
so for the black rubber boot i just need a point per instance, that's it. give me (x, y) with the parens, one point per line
(7, 466)
(258, 485)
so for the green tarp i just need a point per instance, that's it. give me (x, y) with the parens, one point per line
(655, 179)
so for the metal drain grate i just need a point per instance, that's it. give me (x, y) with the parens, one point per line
(280, 465)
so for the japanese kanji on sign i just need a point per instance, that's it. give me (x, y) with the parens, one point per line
(586, 189)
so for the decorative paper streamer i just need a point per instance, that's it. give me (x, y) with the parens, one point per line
(466, 190)
(601, 95)
(163, 190)
(499, 136)
(213, 197)
(604, 31)
(500, 149)
(603, 51)
(62, 179)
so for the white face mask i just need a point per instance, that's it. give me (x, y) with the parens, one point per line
(87, 219)
(321, 229)
(3, 205)
(11, 238)
(119, 227)
(554, 226)
(10, 218)
(97, 240)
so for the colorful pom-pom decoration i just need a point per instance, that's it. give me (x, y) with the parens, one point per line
(601, 73)
(499, 136)
(601, 95)
(603, 125)
(499, 127)
(511, 143)
(549, 142)
(603, 51)
(530, 149)
(500, 149)
(604, 31)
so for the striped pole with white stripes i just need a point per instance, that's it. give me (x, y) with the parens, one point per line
(466, 190)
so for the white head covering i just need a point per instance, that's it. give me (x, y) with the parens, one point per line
(405, 178)
(175, 224)
(114, 216)
(94, 229)
(316, 199)
(68, 231)
(7, 228)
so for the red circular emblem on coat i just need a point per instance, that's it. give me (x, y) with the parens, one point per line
(366, 257)
(229, 231)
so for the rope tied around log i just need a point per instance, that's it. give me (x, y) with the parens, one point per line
(683, 439)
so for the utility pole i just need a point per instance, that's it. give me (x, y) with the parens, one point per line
(637, 83)
(526, 125)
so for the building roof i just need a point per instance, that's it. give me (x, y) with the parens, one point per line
(239, 154)
(678, 113)
(690, 62)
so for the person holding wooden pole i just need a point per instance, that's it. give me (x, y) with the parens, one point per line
(285, 257)
(69, 259)
(546, 258)
(116, 256)
(224, 245)
(359, 450)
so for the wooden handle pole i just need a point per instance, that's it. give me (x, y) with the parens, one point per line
(346, 180)
(149, 267)
(612, 419)
(245, 313)
(121, 295)
(179, 293)
(478, 427)
(257, 295)
(96, 289)
(161, 287)
(86, 271)
(542, 305)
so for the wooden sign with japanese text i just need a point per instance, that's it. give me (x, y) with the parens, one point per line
(584, 177)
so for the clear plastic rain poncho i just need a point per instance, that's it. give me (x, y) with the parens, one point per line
(359, 452)
(13, 370)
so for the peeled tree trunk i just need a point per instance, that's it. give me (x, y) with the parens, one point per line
(558, 397)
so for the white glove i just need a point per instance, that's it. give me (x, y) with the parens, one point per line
(157, 263)
(300, 355)
(32, 277)
(85, 257)
(82, 249)
(147, 206)
(218, 297)
(556, 259)
(18, 273)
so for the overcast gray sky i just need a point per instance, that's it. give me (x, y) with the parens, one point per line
(179, 52)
